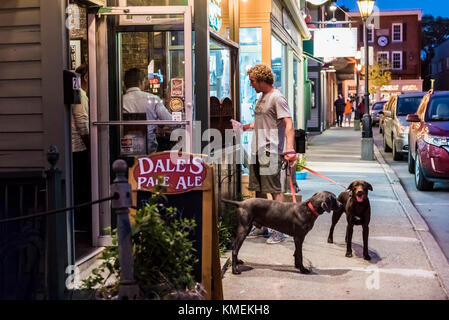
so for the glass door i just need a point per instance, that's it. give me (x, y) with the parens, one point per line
(151, 90)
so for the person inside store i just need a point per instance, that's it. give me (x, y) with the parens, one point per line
(137, 101)
(80, 153)
(273, 130)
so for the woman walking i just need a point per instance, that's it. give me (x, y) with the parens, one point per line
(348, 112)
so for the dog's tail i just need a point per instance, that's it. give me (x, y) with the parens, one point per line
(236, 203)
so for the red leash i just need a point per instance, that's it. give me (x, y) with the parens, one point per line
(324, 177)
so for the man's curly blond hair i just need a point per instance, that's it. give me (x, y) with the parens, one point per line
(262, 72)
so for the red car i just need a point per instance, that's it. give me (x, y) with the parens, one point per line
(428, 155)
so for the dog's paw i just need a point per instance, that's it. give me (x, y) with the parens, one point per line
(330, 240)
(304, 270)
(367, 257)
(348, 254)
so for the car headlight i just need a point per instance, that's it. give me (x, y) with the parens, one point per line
(435, 140)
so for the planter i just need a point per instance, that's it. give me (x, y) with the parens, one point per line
(301, 175)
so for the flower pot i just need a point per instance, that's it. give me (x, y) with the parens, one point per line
(301, 175)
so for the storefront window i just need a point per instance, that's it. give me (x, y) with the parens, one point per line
(277, 63)
(159, 56)
(219, 71)
(295, 91)
(250, 55)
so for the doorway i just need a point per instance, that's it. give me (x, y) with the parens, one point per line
(157, 42)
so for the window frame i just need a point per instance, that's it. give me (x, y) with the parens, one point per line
(393, 33)
(383, 52)
(370, 28)
(392, 60)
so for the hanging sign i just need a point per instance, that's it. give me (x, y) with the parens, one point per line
(178, 173)
(177, 87)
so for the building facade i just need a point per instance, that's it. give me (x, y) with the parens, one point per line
(394, 37)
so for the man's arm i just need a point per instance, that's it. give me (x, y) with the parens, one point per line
(290, 140)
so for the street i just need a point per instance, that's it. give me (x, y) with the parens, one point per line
(432, 205)
(406, 261)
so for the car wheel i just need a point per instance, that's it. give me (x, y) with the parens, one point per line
(386, 147)
(411, 162)
(420, 181)
(396, 155)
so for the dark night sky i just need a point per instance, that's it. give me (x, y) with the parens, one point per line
(433, 7)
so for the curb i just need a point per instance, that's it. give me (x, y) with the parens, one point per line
(434, 254)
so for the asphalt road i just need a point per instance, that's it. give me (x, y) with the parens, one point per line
(432, 205)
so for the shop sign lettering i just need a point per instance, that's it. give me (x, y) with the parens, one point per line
(178, 174)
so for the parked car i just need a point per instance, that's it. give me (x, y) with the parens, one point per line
(395, 126)
(429, 140)
(374, 111)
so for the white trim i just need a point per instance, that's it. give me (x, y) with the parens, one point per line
(412, 12)
(383, 52)
(392, 59)
(392, 32)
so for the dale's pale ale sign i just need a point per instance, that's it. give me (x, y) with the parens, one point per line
(177, 173)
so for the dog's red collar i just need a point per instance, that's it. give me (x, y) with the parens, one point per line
(310, 205)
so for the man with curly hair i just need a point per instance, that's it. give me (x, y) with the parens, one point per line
(273, 130)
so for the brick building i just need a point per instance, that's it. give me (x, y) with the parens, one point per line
(395, 37)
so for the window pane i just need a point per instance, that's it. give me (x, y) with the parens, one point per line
(277, 63)
(219, 71)
(250, 55)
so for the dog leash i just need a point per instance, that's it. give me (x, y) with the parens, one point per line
(289, 173)
(324, 177)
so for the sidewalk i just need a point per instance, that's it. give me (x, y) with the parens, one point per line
(399, 269)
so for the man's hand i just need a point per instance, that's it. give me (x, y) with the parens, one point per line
(290, 156)
(237, 126)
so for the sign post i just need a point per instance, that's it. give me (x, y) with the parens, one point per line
(189, 186)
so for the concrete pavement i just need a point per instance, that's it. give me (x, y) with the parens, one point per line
(406, 261)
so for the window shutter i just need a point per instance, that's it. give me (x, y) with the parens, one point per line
(404, 61)
(361, 33)
(404, 32)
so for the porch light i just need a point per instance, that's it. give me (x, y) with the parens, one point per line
(365, 7)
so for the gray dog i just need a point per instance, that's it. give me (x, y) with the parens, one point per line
(294, 219)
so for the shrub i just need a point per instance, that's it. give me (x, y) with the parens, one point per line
(163, 255)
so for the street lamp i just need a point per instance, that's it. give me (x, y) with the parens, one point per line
(358, 68)
(366, 9)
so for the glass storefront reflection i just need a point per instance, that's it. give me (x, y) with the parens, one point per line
(250, 55)
(277, 61)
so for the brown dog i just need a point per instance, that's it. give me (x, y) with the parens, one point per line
(358, 212)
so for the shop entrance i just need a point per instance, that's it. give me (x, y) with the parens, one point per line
(149, 79)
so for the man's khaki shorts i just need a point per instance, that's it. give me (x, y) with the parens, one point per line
(265, 174)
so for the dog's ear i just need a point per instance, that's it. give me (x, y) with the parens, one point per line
(351, 186)
(369, 186)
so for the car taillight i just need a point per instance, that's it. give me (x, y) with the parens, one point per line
(435, 140)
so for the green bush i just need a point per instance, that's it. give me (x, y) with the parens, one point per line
(301, 162)
(227, 227)
(163, 255)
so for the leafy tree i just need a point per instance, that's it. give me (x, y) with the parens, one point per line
(379, 75)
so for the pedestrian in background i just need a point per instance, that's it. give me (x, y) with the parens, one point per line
(348, 112)
(339, 109)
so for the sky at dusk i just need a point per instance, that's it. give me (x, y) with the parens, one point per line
(433, 7)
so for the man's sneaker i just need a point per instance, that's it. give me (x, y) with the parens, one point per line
(276, 237)
(257, 232)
